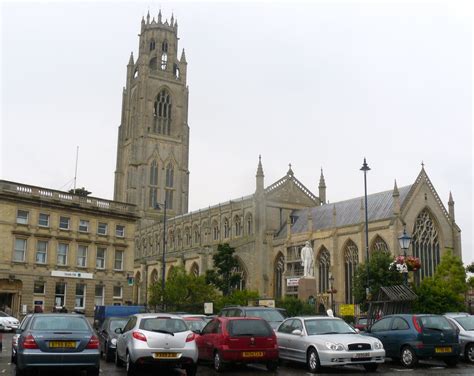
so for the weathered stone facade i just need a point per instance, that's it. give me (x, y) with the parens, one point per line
(60, 249)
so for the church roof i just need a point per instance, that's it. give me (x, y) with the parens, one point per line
(348, 212)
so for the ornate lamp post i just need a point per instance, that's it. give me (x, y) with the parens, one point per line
(163, 259)
(404, 241)
(331, 284)
(365, 167)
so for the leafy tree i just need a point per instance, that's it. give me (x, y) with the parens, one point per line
(444, 291)
(470, 282)
(379, 275)
(236, 297)
(470, 268)
(295, 307)
(224, 276)
(183, 292)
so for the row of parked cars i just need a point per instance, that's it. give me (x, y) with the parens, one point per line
(237, 335)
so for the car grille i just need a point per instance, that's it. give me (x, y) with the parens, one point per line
(358, 346)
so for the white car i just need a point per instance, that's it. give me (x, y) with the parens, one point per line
(465, 324)
(156, 339)
(322, 341)
(8, 322)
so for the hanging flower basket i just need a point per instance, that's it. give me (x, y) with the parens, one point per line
(404, 264)
(333, 291)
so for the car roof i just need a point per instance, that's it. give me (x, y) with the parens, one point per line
(157, 315)
(315, 318)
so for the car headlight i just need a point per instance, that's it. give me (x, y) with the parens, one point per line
(113, 341)
(335, 346)
(378, 345)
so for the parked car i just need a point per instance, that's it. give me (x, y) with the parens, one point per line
(23, 323)
(409, 337)
(156, 339)
(8, 322)
(108, 336)
(274, 316)
(226, 340)
(102, 312)
(361, 323)
(465, 324)
(321, 341)
(57, 340)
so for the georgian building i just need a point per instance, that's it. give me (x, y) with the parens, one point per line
(60, 249)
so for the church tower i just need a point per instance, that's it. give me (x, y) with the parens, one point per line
(153, 137)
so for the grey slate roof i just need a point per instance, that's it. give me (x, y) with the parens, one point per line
(380, 206)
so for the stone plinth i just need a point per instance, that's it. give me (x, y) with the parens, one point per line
(306, 288)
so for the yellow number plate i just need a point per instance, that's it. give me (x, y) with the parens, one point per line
(443, 349)
(252, 354)
(62, 344)
(166, 355)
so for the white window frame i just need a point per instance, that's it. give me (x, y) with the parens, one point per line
(117, 296)
(63, 295)
(15, 249)
(99, 227)
(38, 252)
(47, 219)
(101, 297)
(58, 254)
(83, 306)
(68, 223)
(22, 220)
(120, 231)
(103, 258)
(86, 248)
(84, 223)
(118, 251)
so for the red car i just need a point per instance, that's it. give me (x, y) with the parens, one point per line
(226, 340)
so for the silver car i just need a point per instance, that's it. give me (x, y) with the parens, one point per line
(322, 341)
(156, 339)
(8, 322)
(465, 323)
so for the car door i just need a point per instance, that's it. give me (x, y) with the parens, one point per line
(124, 337)
(381, 330)
(282, 334)
(296, 341)
(400, 331)
(205, 340)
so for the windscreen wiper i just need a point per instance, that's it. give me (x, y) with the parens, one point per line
(163, 331)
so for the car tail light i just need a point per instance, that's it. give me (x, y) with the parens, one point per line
(29, 342)
(93, 343)
(190, 337)
(416, 324)
(140, 336)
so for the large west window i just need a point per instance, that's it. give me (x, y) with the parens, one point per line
(41, 251)
(20, 250)
(63, 249)
(82, 256)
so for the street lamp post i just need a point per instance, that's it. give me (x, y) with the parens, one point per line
(365, 167)
(331, 283)
(163, 259)
(404, 241)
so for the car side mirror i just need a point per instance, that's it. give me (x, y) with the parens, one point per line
(118, 331)
(357, 330)
(297, 332)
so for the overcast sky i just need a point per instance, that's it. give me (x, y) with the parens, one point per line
(320, 84)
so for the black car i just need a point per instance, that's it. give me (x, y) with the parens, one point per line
(108, 336)
(274, 316)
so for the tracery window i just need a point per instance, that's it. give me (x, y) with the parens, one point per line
(164, 46)
(279, 269)
(425, 244)
(379, 245)
(324, 263)
(164, 60)
(187, 236)
(169, 185)
(226, 229)
(249, 222)
(152, 45)
(196, 234)
(171, 238)
(194, 269)
(179, 238)
(237, 226)
(215, 231)
(351, 259)
(153, 184)
(162, 113)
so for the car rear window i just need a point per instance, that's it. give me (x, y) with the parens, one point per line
(254, 328)
(266, 314)
(194, 324)
(466, 322)
(114, 324)
(435, 322)
(66, 323)
(163, 324)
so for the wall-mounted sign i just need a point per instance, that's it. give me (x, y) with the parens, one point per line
(291, 282)
(60, 273)
(266, 303)
(209, 308)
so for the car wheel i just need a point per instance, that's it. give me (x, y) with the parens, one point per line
(371, 367)
(130, 366)
(272, 365)
(218, 363)
(118, 361)
(93, 371)
(109, 355)
(312, 361)
(469, 353)
(451, 361)
(191, 370)
(408, 358)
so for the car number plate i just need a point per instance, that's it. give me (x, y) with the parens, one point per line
(166, 355)
(362, 355)
(443, 349)
(62, 344)
(252, 354)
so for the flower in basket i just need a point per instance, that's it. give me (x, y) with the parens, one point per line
(413, 263)
(399, 265)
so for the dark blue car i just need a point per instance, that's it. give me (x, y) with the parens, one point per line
(412, 337)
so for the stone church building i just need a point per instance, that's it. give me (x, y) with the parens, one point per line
(269, 226)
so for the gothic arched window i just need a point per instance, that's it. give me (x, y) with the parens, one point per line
(179, 238)
(324, 262)
(425, 244)
(279, 269)
(154, 277)
(379, 245)
(249, 224)
(164, 46)
(187, 237)
(162, 113)
(240, 270)
(152, 45)
(153, 64)
(226, 229)
(171, 239)
(194, 269)
(153, 183)
(215, 231)
(351, 259)
(169, 183)
(197, 235)
(164, 60)
(237, 226)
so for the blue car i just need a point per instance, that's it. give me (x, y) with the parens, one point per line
(410, 337)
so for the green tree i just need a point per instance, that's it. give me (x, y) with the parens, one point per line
(183, 292)
(444, 291)
(379, 275)
(236, 297)
(470, 268)
(224, 276)
(295, 307)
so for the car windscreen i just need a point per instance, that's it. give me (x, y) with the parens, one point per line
(163, 325)
(3, 314)
(467, 322)
(266, 314)
(60, 323)
(254, 328)
(435, 322)
(194, 324)
(327, 326)
(114, 324)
